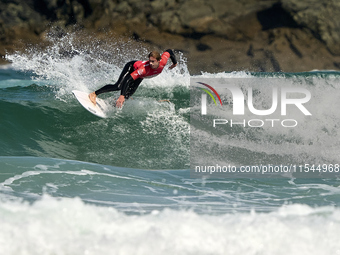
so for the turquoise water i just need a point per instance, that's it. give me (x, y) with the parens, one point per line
(72, 183)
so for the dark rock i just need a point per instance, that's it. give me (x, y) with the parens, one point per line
(320, 17)
(203, 47)
(215, 35)
(275, 17)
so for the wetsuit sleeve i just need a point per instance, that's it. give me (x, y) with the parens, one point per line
(172, 56)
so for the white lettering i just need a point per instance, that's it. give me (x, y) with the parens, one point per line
(262, 112)
(298, 102)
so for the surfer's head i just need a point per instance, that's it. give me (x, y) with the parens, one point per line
(154, 58)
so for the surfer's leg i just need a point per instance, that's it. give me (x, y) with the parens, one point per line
(133, 88)
(128, 69)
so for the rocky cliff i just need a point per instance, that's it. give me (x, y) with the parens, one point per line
(214, 35)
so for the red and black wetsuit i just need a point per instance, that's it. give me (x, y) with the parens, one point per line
(134, 72)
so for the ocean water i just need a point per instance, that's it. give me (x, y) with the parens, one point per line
(72, 183)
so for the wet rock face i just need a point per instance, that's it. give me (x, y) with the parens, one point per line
(215, 35)
(320, 17)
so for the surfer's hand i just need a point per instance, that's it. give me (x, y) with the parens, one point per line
(173, 66)
(120, 101)
(92, 97)
(164, 100)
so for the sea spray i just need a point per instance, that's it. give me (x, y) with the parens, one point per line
(81, 61)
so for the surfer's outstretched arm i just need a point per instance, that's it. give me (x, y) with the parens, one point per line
(173, 58)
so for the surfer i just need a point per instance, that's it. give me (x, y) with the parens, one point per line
(133, 74)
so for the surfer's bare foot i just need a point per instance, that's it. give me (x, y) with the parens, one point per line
(92, 97)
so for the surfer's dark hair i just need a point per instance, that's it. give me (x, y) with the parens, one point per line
(155, 54)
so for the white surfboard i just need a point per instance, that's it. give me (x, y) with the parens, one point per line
(98, 109)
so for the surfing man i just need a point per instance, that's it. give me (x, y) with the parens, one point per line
(133, 74)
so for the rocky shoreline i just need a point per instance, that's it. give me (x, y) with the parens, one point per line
(214, 35)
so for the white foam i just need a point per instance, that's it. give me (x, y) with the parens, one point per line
(68, 226)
